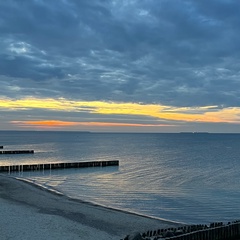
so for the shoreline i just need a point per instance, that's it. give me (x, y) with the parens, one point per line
(54, 191)
(95, 221)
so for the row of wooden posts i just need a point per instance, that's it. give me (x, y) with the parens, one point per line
(15, 151)
(50, 166)
(227, 232)
(218, 231)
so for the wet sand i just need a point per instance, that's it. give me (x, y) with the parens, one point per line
(31, 212)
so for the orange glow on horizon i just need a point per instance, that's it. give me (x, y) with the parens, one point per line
(57, 124)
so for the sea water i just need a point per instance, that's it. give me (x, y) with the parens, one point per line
(184, 177)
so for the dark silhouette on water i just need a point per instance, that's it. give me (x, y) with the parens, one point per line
(50, 166)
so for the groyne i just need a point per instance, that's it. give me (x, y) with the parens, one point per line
(50, 166)
(16, 151)
(214, 231)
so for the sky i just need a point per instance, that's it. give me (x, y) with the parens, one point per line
(120, 65)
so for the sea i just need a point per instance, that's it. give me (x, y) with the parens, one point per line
(191, 178)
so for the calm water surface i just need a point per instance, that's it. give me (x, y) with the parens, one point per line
(191, 178)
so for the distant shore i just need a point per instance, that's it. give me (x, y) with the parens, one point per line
(31, 212)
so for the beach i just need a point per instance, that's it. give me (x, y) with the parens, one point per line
(29, 212)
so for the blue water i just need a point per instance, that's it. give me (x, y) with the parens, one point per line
(190, 178)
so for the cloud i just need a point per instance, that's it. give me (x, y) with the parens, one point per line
(156, 114)
(180, 53)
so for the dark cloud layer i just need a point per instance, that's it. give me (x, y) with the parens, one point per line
(172, 52)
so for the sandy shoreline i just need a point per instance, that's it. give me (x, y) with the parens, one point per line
(30, 212)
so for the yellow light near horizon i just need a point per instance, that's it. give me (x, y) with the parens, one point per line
(189, 114)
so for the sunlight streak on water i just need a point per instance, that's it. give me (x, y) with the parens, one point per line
(192, 178)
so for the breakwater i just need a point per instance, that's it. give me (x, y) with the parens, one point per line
(50, 166)
(214, 231)
(16, 151)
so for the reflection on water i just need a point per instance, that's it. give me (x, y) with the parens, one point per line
(188, 178)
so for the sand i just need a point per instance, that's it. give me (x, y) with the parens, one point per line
(31, 212)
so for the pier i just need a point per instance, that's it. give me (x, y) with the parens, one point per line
(50, 166)
(16, 151)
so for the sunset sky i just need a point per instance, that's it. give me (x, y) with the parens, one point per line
(120, 65)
